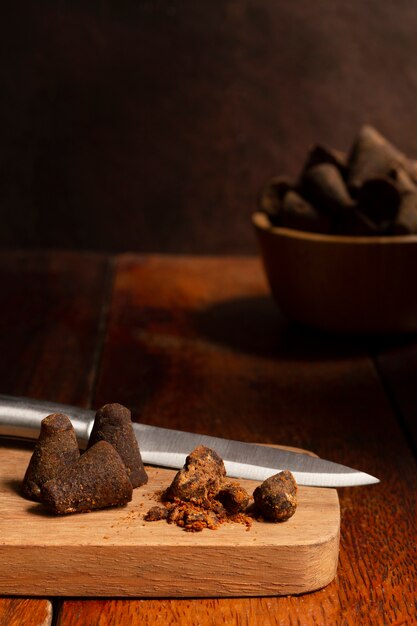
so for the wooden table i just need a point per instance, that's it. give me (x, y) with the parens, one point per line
(196, 343)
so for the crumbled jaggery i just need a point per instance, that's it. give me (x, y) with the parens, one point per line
(276, 498)
(199, 496)
(113, 423)
(98, 480)
(192, 517)
(234, 497)
(242, 518)
(200, 479)
(218, 508)
(188, 515)
(55, 449)
(156, 513)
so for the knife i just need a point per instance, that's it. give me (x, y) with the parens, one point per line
(21, 417)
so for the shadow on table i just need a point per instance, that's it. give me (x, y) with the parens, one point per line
(254, 325)
(15, 485)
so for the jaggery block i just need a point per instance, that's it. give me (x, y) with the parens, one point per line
(411, 168)
(113, 423)
(372, 156)
(355, 223)
(322, 154)
(379, 199)
(276, 498)
(55, 449)
(299, 214)
(271, 197)
(200, 478)
(402, 180)
(98, 480)
(405, 222)
(323, 186)
(233, 497)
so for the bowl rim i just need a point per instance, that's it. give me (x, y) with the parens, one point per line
(260, 221)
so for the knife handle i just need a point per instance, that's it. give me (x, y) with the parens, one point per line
(21, 417)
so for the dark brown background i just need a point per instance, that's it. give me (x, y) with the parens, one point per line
(150, 125)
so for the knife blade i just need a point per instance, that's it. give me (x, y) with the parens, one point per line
(21, 417)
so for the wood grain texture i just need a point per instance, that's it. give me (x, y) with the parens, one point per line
(15, 612)
(397, 365)
(167, 119)
(52, 307)
(50, 314)
(115, 552)
(318, 609)
(198, 343)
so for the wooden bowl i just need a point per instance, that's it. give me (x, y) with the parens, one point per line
(339, 283)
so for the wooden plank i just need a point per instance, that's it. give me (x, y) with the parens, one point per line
(115, 552)
(52, 306)
(396, 361)
(317, 609)
(15, 612)
(51, 311)
(198, 344)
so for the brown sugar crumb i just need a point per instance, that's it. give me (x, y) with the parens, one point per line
(276, 498)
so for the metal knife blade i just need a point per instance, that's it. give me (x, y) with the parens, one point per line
(21, 417)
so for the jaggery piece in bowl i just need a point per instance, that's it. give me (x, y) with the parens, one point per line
(324, 187)
(372, 157)
(272, 195)
(359, 195)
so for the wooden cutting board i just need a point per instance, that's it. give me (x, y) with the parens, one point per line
(114, 552)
